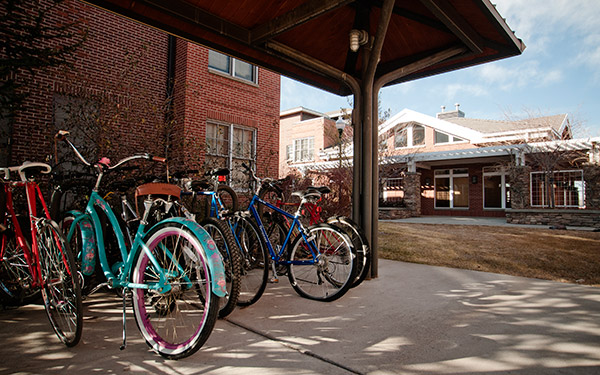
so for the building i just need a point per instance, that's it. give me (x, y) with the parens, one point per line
(454, 165)
(133, 88)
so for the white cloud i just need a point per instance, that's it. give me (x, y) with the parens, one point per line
(455, 90)
(528, 73)
(572, 23)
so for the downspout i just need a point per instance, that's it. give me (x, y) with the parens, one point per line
(169, 108)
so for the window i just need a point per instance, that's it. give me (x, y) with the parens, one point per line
(409, 136)
(229, 146)
(496, 188)
(401, 138)
(393, 191)
(452, 188)
(303, 149)
(418, 135)
(558, 189)
(441, 138)
(233, 67)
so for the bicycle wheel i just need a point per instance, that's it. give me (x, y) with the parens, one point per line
(360, 243)
(255, 261)
(228, 197)
(60, 289)
(16, 282)
(175, 323)
(220, 233)
(333, 270)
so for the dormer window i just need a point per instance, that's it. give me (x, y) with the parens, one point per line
(442, 138)
(409, 136)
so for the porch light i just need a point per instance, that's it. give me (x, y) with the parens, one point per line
(358, 38)
(474, 179)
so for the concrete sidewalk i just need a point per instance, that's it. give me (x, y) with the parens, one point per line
(413, 319)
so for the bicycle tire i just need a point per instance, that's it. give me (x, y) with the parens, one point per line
(228, 198)
(176, 323)
(359, 240)
(221, 234)
(333, 273)
(61, 291)
(16, 282)
(255, 261)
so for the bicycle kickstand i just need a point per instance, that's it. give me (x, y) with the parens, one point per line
(124, 344)
(275, 278)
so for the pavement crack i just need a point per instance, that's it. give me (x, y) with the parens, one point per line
(295, 347)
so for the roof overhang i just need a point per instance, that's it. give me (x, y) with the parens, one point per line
(308, 40)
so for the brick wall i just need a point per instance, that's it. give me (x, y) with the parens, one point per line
(124, 64)
(102, 71)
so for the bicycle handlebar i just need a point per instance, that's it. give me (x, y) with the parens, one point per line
(103, 163)
(23, 168)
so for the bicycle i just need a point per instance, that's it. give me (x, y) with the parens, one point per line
(279, 224)
(173, 270)
(167, 203)
(320, 261)
(46, 264)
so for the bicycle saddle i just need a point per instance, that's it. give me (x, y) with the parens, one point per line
(320, 189)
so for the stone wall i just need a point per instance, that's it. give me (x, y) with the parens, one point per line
(554, 217)
(411, 184)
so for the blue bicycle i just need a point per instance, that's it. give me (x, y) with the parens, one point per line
(174, 269)
(320, 260)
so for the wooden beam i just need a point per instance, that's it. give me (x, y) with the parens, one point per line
(297, 16)
(450, 17)
(201, 18)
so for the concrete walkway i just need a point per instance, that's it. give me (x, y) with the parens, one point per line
(413, 319)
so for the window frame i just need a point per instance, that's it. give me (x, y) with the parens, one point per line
(409, 136)
(294, 150)
(230, 158)
(505, 186)
(451, 138)
(231, 70)
(450, 175)
(545, 203)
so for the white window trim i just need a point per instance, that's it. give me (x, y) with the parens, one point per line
(582, 192)
(231, 73)
(293, 146)
(450, 136)
(450, 175)
(409, 137)
(497, 172)
(229, 155)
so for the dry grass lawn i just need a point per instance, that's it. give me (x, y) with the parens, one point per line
(560, 255)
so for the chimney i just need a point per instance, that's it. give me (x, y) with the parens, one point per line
(452, 114)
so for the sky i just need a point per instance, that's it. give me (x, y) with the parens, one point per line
(559, 72)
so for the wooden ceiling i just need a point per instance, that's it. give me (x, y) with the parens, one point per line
(308, 40)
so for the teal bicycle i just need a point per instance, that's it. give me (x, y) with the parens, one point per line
(173, 270)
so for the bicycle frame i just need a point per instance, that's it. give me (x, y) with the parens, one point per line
(276, 256)
(95, 203)
(33, 193)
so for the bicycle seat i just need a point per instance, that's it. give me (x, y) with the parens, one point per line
(320, 189)
(201, 185)
(307, 194)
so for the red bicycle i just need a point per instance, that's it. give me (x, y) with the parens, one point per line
(35, 256)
